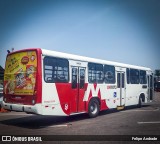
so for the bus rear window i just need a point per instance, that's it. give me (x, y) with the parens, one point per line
(20, 73)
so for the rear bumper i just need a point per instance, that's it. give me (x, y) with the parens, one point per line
(36, 109)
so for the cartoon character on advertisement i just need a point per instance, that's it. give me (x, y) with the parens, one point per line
(10, 87)
(30, 71)
(30, 76)
(32, 56)
(20, 80)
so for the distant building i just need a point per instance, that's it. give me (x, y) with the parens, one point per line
(1, 74)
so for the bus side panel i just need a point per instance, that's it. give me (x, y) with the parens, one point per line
(101, 92)
(133, 92)
(66, 95)
(70, 100)
(51, 104)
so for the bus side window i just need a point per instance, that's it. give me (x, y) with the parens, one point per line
(134, 76)
(74, 78)
(109, 74)
(118, 80)
(142, 77)
(128, 75)
(95, 73)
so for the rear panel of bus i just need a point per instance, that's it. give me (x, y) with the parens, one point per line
(21, 78)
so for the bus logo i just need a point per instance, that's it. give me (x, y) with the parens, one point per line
(24, 60)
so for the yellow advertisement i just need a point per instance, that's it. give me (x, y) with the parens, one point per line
(20, 73)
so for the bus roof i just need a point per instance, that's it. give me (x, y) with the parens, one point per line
(87, 59)
(82, 58)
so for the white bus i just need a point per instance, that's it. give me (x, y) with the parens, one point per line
(47, 82)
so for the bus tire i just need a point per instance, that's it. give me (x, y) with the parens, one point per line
(140, 102)
(93, 108)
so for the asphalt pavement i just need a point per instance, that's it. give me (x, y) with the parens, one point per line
(126, 123)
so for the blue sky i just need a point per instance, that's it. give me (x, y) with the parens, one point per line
(126, 31)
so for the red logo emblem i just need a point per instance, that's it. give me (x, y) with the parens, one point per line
(25, 60)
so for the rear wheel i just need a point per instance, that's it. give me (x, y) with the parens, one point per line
(93, 108)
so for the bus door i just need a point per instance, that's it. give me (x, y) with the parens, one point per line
(150, 87)
(78, 89)
(121, 90)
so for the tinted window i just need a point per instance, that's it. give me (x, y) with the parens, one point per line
(134, 76)
(142, 77)
(109, 74)
(128, 77)
(74, 78)
(120, 80)
(82, 78)
(95, 73)
(123, 80)
(151, 81)
(56, 70)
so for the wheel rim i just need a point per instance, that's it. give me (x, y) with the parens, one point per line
(94, 108)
